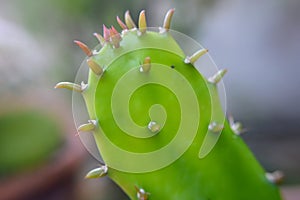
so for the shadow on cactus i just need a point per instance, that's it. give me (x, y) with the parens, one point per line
(155, 105)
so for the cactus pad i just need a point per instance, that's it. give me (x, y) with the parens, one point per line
(158, 121)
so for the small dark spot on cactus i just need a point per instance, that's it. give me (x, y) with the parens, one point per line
(172, 66)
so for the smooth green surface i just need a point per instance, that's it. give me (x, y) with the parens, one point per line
(110, 111)
(229, 172)
(27, 138)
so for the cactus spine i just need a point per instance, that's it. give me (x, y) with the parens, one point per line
(145, 97)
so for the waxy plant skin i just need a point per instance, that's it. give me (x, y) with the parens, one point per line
(158, 122)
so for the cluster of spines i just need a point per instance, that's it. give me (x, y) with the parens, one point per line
(113, 37)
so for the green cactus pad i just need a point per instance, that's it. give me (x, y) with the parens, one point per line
(158, 122)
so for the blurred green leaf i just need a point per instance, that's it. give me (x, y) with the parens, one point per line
(27, 138)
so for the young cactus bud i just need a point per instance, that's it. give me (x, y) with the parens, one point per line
(146, 65)
(167, 21)
(94, 66)
(154, 127)
(90, 126)
(236, 127)
(71, 86)
(115, 37)
(84, 48)
(193, 58)
(142, 22)
(217, 77)
(141, 194)
(215, 127)
(106, 33)
(97, 172)
(121, 23)
(275, 177)
(128, 20)
(100, 38)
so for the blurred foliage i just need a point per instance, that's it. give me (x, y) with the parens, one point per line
(55, 24)
(48, 13)
(27, 138)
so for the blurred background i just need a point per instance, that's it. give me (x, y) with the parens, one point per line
(257, 41)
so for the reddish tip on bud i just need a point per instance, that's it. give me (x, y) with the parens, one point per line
(113, 31)
(84, 48)
(121, 23)
(115, 37)
(106, 33)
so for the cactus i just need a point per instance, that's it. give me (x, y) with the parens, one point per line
(158, 121)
